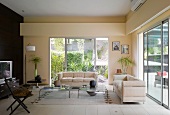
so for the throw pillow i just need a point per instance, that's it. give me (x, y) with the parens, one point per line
(21, 92)
(125, 78)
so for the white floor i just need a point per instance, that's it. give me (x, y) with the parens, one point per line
(148, 108)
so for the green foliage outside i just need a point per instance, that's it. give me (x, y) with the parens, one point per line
(165, 49)
(88, 55)
(57, 64)
(99, 52)
(106, 73)
(76, 62)
(102, 70)
(59, 44)
(150, 50)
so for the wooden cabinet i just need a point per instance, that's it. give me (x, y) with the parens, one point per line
(4, 90)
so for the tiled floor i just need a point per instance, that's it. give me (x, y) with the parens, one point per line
(148, 108)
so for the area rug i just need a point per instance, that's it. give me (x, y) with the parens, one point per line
(62, 98)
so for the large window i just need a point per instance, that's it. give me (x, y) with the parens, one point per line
(79, 54)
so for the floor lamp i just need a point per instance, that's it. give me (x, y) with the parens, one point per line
(29, 48)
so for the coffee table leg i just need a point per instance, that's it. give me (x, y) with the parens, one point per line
(39, 94)
(78, 92)
(69, 93)
(37, 85)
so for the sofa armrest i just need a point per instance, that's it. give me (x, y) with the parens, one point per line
(133, 89)
(60, 75)
(122, 77)
(133, 83)
(118, 78)
(96, 76)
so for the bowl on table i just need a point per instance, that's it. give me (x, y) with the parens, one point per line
(91, 92)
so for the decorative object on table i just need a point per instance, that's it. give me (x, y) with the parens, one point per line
(92, 84)
(116, 46)
(38, 78)
(84, 86)
(57, 83)
(118, 71)
(35, 60)
(125, 63)
(124, 49)
(107, 97)
(91, 92)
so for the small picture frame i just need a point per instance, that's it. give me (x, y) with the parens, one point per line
(124, 49)
(116, 46)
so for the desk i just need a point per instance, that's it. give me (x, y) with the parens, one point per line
(37, 82)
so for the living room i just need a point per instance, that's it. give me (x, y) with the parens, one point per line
(37, 31)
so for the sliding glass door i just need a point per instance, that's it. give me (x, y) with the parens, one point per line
(156, 63)
(165, 59)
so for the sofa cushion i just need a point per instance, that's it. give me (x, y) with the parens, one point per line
(79, 75)
(160, 74)
(78, 79)
(88, 79)
(125, 78)
(68, 74)
(132, 79)
(117, 83)
(119, 87)
(67, 79)
(89, 75)
(134, 83)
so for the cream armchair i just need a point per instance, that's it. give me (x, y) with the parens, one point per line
(129, 89)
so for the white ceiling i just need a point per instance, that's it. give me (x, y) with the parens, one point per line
(69, 7)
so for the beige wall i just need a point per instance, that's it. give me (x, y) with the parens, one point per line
(148, 11)
(66, 19)
(115, 55)
(72, 29)
(42, 50)
(38, 34)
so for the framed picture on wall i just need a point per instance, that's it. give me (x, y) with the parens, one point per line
(124, 49)
(116, 46)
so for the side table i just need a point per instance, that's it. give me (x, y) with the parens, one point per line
(37, 82)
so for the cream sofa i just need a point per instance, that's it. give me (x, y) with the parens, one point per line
(129, 88)
(77, 78)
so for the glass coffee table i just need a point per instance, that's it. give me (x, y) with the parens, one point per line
(48, 89)
(92, 91)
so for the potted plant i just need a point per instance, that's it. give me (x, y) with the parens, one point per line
(35, 60)
(125, 63)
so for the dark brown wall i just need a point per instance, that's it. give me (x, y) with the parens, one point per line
(11, 43)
